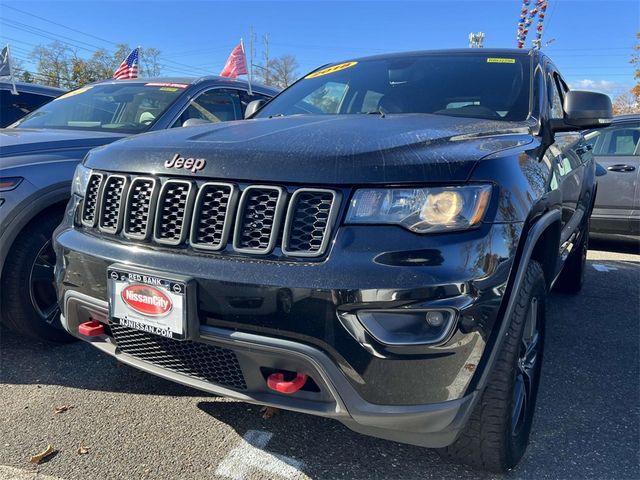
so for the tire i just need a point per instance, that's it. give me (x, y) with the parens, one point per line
(571, 279)
(497, 434)
(28, 297)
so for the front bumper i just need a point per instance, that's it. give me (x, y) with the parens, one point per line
(301, 317)
(431, 425)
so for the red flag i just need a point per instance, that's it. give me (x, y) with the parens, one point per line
(236, 64)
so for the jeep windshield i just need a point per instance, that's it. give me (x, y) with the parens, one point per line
(489, 86)
(114, 107)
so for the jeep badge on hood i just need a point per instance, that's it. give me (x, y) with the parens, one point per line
(193, 164)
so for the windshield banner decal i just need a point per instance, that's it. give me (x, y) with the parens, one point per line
(328, 70)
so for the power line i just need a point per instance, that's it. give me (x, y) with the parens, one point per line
(59, 24)
(56, 37)
(553, 10)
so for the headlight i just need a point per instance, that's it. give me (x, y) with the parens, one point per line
(421, 210)
(9, 183)
(80, 180)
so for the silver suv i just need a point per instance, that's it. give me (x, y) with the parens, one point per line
(39, 154)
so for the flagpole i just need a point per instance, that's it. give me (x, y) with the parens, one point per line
(250, 54)
(14, 91)
(245, 66)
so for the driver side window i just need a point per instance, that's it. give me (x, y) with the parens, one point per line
(213, 106)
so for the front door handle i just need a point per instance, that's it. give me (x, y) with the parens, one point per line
(620, 167)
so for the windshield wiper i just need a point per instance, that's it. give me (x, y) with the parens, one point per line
(276, 115)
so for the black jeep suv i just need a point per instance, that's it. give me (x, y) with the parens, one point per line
(376, 246)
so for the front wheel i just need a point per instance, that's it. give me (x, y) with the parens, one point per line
(29, 303)
(497, 434)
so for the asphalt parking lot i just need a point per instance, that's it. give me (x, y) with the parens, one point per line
(133, 425)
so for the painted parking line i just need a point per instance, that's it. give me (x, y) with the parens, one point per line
(600, 267)
(250, 456)
(11, 473)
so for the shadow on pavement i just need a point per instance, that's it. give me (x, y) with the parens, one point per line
(614, 243)
(77, 365)
(330, 450)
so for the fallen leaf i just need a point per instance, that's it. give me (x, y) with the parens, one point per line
(42, 455)
(268, 412)
(470, 367)
(63, 408)
(82, 450)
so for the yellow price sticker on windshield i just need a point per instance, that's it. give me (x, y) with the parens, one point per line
(74, 92)
(501, 60)
(168, 89)
(328, 70)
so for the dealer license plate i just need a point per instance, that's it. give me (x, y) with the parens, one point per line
(148, 303)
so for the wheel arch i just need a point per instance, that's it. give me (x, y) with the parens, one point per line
(48, 200)
(542, 232)
(546, 248)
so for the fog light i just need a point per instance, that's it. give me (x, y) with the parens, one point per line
(408, 327)
(435, 319)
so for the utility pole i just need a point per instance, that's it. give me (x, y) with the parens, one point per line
(476, 39)
(267, 79)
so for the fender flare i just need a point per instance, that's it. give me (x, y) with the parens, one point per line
(534, 234)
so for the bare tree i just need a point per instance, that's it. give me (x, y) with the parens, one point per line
(284, 70)
(149, 62)
(54, 64)
(60, 66)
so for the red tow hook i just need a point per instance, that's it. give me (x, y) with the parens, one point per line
(91, 329)
(276, 382)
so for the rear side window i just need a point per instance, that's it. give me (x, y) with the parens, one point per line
(618, 140)
(14, 107)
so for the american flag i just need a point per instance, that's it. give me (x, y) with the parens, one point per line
(128, 68)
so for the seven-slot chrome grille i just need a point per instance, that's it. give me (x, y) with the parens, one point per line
(212, 216)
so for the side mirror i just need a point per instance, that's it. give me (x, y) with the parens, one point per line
(253, 107)
(192, 122)
(584, 110)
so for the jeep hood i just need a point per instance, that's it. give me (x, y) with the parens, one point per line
(24, 141)
(321, 149)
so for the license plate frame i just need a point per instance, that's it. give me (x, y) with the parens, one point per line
(138, 299)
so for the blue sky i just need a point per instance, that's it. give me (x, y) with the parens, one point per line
(592, 39)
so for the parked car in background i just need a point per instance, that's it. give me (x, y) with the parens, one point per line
(415, 217)
(30, 96)
(617, 151)
(38, 156)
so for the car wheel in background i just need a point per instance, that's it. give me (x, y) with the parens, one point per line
(29, 303)
(496, 436)
(571, 278)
